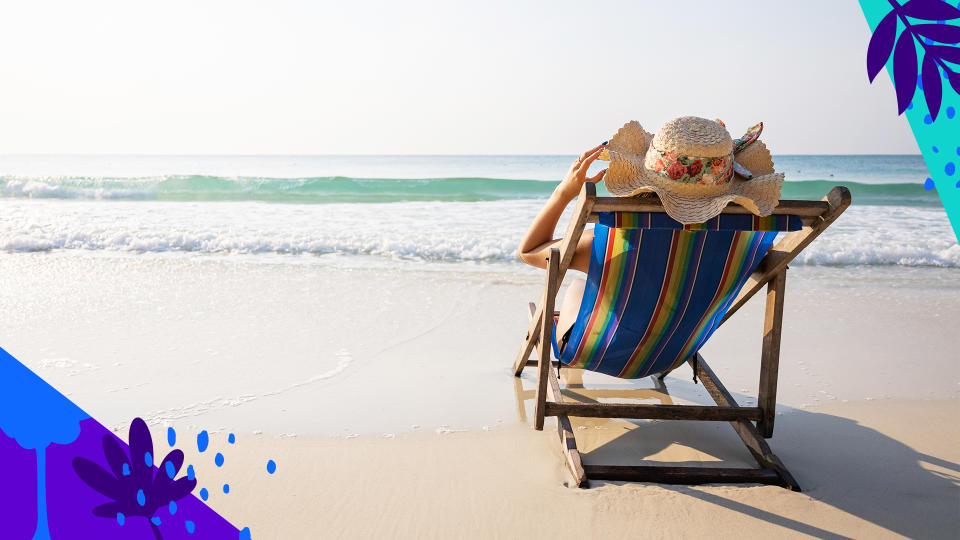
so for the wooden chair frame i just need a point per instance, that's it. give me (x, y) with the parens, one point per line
(771, 271)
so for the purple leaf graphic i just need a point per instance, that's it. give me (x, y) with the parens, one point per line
(905, 70)
(944, 33)
(932, 85)
(945, 52)
(930, 10)
(881, 44)
(115, 455)
(954, 79)
(142, 491)
(96, 477)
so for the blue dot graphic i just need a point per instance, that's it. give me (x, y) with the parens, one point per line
(935, 149)
(172, 507)
(121, 519)
(927, 119)
(155, 520)
(148, 459)
(919, 82)
(141, 498)
(958, 150)
(928, 184)
(171, 436)
(951, 112)
(231, 438)
(245, 533)
(203, 440)
(218, 459)
(126, 469)
(190, 473)
(204, 494)
(226, 488)
(190, 526)
(949, 168)
(271, 466)
(171, 470)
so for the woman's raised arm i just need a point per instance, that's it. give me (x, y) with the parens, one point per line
(536, 245)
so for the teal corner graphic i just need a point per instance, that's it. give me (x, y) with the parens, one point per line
(939, 139)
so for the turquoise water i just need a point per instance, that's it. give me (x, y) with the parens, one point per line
(339, 189)
(420, 208)
(875, 180)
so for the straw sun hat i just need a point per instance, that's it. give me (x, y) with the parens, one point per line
(695, 167)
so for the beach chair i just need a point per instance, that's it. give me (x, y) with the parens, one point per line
(656, 290)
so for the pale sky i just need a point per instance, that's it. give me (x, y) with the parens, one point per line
(432, 77)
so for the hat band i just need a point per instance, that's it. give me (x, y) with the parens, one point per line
(689, 169)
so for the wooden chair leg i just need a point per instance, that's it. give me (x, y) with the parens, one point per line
(770, 354)
(546, 337)
(567, 439)
(748, 433)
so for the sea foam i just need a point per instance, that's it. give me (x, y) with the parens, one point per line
(419, 231)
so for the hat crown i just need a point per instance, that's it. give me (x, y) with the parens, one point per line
(693, 136)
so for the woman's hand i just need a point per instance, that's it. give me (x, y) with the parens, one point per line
(536, 245)
(572, 183)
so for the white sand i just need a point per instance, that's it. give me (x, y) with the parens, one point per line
(311, 354)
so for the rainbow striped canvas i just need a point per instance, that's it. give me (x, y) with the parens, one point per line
(657, 289)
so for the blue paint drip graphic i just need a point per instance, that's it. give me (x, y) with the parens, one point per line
(218, 459)
(121, 519)
(226, 488)
(172, 507)
(231, 438)
(271, 466)
(148, 459)
(245, 533)
(171, 436)
(203, 440)
(190, 526)
(190, 473)
(204, 494)
(171, 470)
(141, 498)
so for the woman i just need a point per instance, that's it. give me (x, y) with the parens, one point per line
(536, 245)
(692, 164)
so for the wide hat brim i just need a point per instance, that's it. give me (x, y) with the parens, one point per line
(685, 202)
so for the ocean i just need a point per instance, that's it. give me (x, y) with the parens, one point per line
(383, 209)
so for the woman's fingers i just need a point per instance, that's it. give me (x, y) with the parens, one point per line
(590, 151)
(598, 177)
(589, 158)
(586, 154)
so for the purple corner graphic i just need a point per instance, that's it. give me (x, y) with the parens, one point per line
(67, 476)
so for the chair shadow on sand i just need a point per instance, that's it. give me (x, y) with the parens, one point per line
(836, 460)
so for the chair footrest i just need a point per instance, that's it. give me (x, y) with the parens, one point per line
(682, 475)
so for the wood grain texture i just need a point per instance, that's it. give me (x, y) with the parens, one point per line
(770, 353)
(546, 337)
(662, 474)
(567, 439)
(747, 432)
(653, 412)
